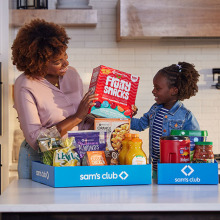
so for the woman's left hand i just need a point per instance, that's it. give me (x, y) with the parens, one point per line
(85, 104)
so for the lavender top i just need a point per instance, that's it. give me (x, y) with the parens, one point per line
(41, 105)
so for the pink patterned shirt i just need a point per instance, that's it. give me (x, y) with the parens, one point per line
(41, 105)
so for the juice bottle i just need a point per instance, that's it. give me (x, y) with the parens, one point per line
(124, 150)
(135, 154)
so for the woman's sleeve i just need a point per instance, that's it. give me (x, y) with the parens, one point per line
(28, 116)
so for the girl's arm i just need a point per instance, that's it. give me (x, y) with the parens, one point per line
(191, 122)
(140, 124)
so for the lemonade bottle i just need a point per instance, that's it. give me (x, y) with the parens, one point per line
(135, 154)
(124, 150)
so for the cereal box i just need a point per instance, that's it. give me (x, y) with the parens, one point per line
(115, 128)
(117, 92)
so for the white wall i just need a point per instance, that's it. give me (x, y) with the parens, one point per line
(91, 47)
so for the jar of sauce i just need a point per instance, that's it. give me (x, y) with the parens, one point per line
(203, 152)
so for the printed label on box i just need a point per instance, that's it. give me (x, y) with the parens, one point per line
(188, 173)
(115, 128)
(117, 92)
(88, 140)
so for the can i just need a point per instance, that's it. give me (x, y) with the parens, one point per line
(174, 149)
(194, 136)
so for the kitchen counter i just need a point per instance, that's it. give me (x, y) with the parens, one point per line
(28, 196)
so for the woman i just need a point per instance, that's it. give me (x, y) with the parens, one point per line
(48, 94)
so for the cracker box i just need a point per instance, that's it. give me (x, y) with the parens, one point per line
(117, 92)
(115, 128)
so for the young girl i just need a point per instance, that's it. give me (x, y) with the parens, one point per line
(172, 85)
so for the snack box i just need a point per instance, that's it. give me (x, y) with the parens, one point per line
(188, 173)
(88, 140)
(115, 128)
(117, 92)
(109, 175)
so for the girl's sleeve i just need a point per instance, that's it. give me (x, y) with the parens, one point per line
(140, 124)
(191, 122)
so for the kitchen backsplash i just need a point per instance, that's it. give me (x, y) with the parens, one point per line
(91, 47)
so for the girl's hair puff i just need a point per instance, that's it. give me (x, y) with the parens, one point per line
(35, 44)
(182, 76)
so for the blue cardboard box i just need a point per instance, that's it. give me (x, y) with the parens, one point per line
(187, 173)
(91, 175)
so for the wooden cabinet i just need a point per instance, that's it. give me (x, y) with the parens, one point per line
(142, 19)
(70, 17)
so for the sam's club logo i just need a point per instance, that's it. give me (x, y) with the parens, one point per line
(43, 174)
(187, 170)
(105, 176)
(123, 175)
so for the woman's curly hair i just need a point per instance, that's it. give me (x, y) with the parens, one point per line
(184, 77)
(35, 44)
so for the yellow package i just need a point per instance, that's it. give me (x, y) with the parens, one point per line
(65, 157)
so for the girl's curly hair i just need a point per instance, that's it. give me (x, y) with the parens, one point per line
(35, 44)
(184, 77)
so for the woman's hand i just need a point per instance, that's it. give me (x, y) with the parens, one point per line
(67, 124)
(134, 110)
(85, 104)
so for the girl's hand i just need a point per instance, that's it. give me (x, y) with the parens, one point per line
(85, 104)
(134, 110)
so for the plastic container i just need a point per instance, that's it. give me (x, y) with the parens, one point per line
(125, 148)
(194, 136)
(203, 152)
(135, 154)
(174, 149)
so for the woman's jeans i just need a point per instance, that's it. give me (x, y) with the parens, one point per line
(26, 155)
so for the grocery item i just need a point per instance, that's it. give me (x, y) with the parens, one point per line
(88, 140)
(94, 158)
(125, 148)
(203, 152)
(135, 154)
(47, 157)
(194, 136)
(44, 144)
(112, 157)
(116, 129)
(65, 157)
(117, 92)
(174, 149)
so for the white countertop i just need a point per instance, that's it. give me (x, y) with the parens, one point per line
(29, 196)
